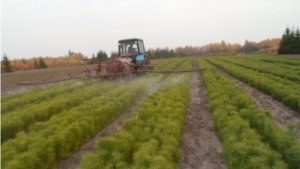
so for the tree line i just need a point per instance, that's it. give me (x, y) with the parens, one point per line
(22, 64)
(264, 46)
(219, 48)
(100, 57)
(39, 62)
(194, 50)
(290, 42)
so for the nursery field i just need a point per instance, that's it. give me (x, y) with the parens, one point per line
(275, 76)
(175, 120)
(250, 136)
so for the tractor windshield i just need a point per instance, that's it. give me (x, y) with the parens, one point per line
(128, 48)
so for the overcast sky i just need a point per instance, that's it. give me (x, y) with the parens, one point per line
(33, 28)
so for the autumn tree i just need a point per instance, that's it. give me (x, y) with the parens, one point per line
(76, 57)
(36, 65)
(269, 45)
(151, 54)
(250, 46)
(223, 46)
(92, 60)
(6, 63)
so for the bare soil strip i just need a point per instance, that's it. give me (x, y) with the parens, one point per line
(282, 114)
(9, 80)
(200, 146)
(15, 88)
(90, 146)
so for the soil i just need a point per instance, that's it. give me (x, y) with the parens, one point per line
(200, 146)
(50, 75)
(282, 114)
(15, 88)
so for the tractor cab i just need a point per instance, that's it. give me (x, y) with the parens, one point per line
(134, 50)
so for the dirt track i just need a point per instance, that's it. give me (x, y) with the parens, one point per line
(200, 146)
(282, 114)
(9, 80)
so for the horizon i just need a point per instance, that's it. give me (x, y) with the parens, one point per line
(43, 28)
(108, 54)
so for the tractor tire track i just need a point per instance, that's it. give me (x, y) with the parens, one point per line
(282, 114)
(90, 146)
(200, 146)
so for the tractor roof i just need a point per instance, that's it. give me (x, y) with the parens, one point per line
(130, 39)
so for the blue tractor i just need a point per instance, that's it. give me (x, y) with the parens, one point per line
(134, 50)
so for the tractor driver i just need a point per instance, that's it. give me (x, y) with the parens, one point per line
(130, 49)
